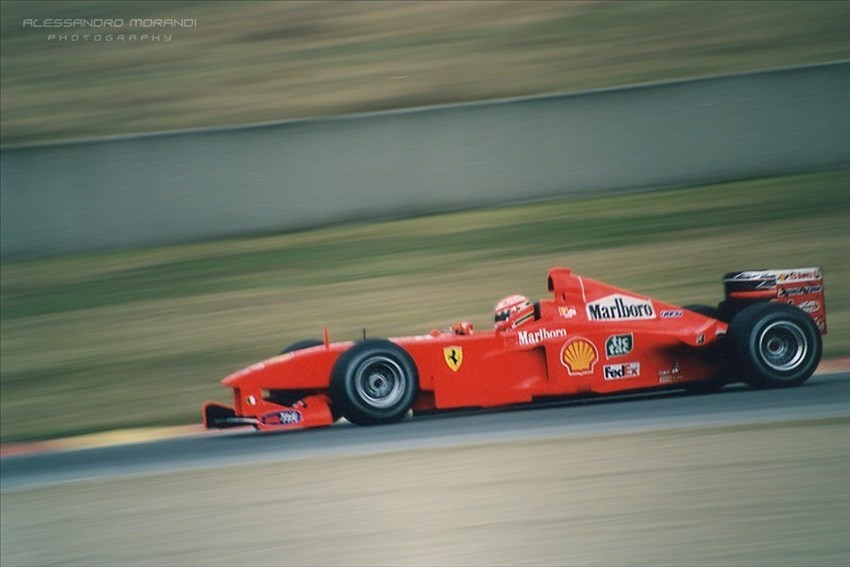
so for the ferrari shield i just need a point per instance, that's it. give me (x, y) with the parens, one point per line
(453, 356)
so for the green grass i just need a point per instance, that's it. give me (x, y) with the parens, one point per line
(536, 229)
(258, 61)
(127, 339)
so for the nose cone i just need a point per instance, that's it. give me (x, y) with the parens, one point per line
(249, 373)
(308, 368)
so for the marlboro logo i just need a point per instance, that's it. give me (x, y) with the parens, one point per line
(619, 307)
(525, 338)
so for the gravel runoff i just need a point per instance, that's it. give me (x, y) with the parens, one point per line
(766, 494)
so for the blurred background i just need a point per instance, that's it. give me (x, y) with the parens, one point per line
(256, 61)
(113, 316)
(140, 336)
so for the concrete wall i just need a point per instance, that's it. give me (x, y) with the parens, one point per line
(183, 186)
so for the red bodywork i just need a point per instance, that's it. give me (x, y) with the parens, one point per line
(590, 337)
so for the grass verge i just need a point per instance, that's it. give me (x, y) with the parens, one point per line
(129, 339)
(258, 61)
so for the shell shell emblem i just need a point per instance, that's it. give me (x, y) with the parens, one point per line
(579, 356)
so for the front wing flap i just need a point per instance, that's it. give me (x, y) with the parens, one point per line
(312, 411)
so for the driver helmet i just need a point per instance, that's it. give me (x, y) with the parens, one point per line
(513, 311)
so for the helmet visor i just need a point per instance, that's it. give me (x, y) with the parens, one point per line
(503, 315)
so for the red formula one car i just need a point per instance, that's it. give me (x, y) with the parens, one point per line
(589, 338)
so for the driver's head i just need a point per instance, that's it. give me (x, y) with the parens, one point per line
(513, 311)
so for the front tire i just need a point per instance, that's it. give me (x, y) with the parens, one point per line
(375, 381)
(774, 345)
(301, 345)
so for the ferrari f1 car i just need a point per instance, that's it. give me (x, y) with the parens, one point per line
(588, 338)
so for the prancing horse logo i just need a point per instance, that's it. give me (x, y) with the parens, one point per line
(453, 356)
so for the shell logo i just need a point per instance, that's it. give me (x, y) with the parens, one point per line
(579, 356)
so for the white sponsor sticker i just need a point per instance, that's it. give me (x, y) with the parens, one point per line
(672, 314)
(800, 274)
(526, 338)
(621, 371)
(620, 307)
(567, 311)
(809, 306)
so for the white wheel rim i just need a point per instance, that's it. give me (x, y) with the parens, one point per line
(379, 381)
(782, 346)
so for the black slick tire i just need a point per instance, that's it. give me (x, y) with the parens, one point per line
(774, 345)
(375, 381)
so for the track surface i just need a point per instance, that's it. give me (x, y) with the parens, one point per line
(823, 396)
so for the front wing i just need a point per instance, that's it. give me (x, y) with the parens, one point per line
(312, 411)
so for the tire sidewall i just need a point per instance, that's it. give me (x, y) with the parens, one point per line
(343, 387)
(746, 332)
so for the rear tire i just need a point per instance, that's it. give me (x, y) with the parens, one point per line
(375, 381)
(774, 345)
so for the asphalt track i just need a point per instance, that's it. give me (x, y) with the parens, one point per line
(824, 396)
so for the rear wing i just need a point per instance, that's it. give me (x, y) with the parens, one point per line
(801, 287)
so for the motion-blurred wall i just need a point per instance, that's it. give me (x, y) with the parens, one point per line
(184, 186)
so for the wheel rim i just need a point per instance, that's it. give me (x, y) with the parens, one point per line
(783, 346)
(379, 381)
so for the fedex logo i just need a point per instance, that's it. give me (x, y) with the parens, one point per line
(621, 371)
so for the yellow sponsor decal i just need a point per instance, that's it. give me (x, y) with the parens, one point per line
(453, 356)
(579, 355)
